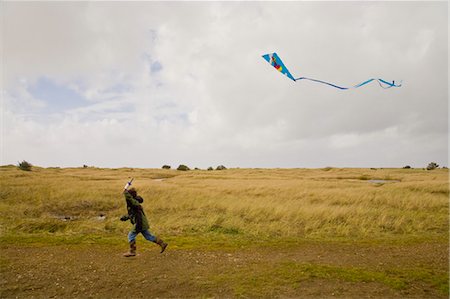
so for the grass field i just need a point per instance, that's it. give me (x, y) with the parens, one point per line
(232, 233)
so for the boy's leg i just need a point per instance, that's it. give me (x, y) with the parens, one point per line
(147, 235)
(132, 236)
(132, 241)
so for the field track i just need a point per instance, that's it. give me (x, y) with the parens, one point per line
(303, 271)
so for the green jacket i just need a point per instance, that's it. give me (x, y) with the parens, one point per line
(136, 214)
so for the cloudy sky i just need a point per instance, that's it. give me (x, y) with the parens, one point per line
(143, 84)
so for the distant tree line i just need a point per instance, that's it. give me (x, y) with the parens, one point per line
(183, 167)
(26, 166)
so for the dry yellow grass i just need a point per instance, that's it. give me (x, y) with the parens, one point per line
(250, 203)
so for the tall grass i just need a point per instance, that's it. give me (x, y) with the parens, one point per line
(249, 203)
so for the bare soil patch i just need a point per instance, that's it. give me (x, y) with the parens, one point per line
(100, 271)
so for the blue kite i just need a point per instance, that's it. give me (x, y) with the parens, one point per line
(276, 62)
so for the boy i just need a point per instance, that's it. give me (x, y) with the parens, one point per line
(140, 224)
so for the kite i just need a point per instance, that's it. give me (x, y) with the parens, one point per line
(276, 62)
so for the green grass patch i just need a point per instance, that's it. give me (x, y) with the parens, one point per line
(213, 240)
(437, 279)
(266, 280)
(224, 230)
(49, 239)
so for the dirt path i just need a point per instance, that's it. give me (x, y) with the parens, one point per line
(307, 271)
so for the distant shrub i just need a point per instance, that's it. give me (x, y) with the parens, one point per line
(210, 168)
(85, 166)
(407, 167)
(183, 168)
(364, 177)
(221, 167)
(166, 167)
(432, 166)
(24, 165)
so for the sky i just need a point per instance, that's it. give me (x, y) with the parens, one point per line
(144, 84)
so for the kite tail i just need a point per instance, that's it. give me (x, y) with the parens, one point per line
(389, 85)
(384, 84)
(315, 80)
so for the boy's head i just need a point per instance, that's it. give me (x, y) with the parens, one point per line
(133, 192)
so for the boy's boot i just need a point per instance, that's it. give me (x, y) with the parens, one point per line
(132, 251)
(161, 243)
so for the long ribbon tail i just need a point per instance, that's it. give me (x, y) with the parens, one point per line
(319, 81)
(384, 84)
(389, 85)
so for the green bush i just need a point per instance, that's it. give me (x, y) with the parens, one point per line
(183, 168)
(24, 165)
(432, 166)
